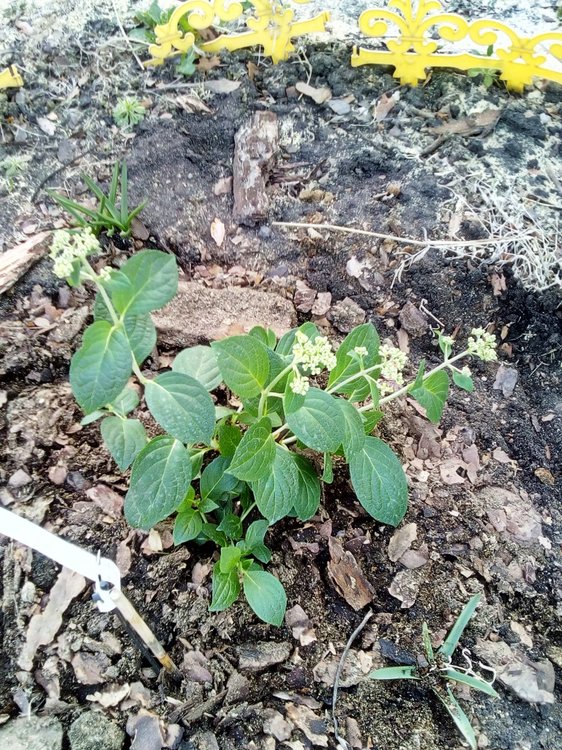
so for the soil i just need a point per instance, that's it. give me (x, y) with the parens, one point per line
(494, 456)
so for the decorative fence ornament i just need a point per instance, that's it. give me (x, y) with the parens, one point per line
(413, 49)
(272, 26)
(10, 78)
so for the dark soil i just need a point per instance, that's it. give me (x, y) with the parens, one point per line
(350, 167)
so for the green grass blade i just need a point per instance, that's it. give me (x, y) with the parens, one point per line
(114, 184)
(427, 643)
(95, 189)
(124, 199)
(136, 211)
(394, 673)
(73, 208)
(458, 716)
(471, 681)
(452, 640)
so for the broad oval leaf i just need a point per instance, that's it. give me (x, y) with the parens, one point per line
(347, 366)
(215, 481)
(265, 335)
(226, 588)
(432, 394)
(285, 343)
(318, 422)
(154, 281)
(463, 381)
(199, 362)
(101, 367)
(159, 482)
(254, 455)
(307, 496)
(125, 438)
(379, 481)
(126, 401)
(353, 431)
(243, 363)
(265, 595)
(275, 494)
(182, 406)
(187, 526)
(141, 332)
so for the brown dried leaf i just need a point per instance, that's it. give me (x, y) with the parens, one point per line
(110, 697)
(300, 624)
(318, 95)
(385, 104)
(218, 231)
(402, 540)
(89, 668)
(347, 576)
(107, 499)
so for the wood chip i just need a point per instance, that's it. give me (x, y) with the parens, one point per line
(347, 576)
(16, 261)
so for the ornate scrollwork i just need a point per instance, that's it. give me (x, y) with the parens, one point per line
(411, 51)
(271, 25)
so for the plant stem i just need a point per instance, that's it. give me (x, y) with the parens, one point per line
(248, 511)
(361, 373)
(267, 391)
(405, 389)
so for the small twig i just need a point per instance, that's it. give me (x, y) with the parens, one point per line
(402, 240)
(339, 670)
(126, 38)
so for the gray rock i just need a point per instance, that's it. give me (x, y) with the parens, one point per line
(346, 314)
(92, 731)
(201, 741)
(257, 656)
(33, 733)
(66, 152)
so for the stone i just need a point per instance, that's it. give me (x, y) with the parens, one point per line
(92, 731)
(257, 656)
(413, 320)
(198, 314)
(346, 314)
(33, 733)
(201, 741)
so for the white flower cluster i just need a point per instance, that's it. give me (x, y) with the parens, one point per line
(361, 351)
(300, 384)
(313, 356)
(67, 247)
(482, 344)
(393, 361)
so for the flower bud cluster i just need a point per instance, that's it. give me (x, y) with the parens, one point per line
(300, 384)
(482, 344)
(393, 361)
(68, 247)
(313, 356)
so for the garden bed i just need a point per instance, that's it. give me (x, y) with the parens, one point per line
(485, 512)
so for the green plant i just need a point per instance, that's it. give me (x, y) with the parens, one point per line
(218, 466)
(12, 166)
(110, 214)
(438, 671)
(489, 75)
(128, 112)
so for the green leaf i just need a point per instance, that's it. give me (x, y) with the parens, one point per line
(230, 557)
(307, 496)
(125, 438)
(394, 673)
(265, 595)
(226, 588)
(182, 406)
(186, 65)
(452, 640)
(463, 381)
(199, 362)
(93, 416)
(347, 366)
(371, 420)
(275, 494)
(353, 431)
(254, 455)
(255, 533)
(126, 401)
(228, 437)
(318, 422)
(432, 394)
(188, 525)
(141, 332)
(379, 481)
(458, 716)
(159, 482)
(265, 335)
(328, 472)
(154, 281)
(427, 645)
(231, 526)
(210, 531)
(101, 367)
(243, 363)
(473, 682)
(215, 482)
(285, 343)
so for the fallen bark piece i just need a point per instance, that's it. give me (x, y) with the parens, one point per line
(401, 541)
(44, 626)
(257, 656)
(347, 576)
(311, 725)
(255, 146)
(15, 262)
(297, 619)
(199, 314)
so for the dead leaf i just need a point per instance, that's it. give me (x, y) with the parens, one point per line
(357, 666)
(191, 103)
(311, 725)
(276, 726)
(500, 456)
(402, 540)
(46, 125)
(545, 476)
(385, 104)
(110, 697)
(300, 624)
(195, 667)
(218, 231)
(470, 125)
(208, 63)
(405, 587)
(449, 471)
(415, 558)
(89, 668)
(222, 86)
(497, 280)
(506, 380)
(146, 731)
(44, 626)
(347, 576)
(318, 95)
(107, 499)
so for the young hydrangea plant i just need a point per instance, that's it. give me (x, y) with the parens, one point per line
(228, 471)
